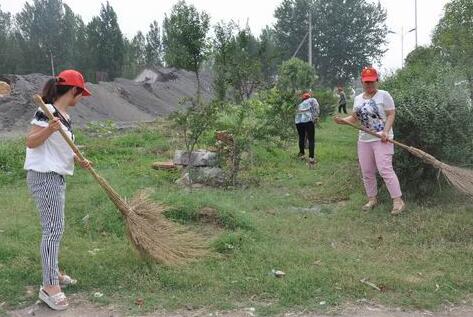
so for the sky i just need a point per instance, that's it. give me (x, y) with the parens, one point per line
(135, 15)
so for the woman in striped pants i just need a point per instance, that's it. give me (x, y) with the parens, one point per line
(48, 160)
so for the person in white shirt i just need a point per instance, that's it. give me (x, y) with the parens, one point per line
(48, 160)
(375, 110)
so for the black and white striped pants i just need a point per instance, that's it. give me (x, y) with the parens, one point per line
(48, 189)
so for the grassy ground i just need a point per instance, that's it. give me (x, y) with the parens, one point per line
(420, 259)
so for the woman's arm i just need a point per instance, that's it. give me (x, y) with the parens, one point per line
(38, 134)
(390, 116)
(352, 119)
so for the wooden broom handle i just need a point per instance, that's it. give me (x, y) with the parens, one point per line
(358, 127)
(39, 101)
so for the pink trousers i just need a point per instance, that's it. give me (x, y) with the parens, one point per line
(378, 156)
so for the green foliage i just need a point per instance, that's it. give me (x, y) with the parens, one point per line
(195, 120)
(238, 62)
(327, 102)
(295, 76)
(106, 42)
(12, 157)
(230, 242)
(185, 38)
(153, 49)
(434, 114)
(454, 37)
(341, 30)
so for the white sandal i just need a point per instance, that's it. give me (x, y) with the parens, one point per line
(66, 281)
(56, 302)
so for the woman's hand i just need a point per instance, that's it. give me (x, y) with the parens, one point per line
(339, 120)
(54, 125)
(384, 136)
(85, 164)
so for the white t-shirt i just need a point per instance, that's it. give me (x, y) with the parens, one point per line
(372, 114)
(54, 155)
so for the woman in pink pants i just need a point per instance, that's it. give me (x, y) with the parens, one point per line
(375, 110)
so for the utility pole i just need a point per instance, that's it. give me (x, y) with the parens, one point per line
(402, 47)
(416, 20)
(52, 63)
(310, 37)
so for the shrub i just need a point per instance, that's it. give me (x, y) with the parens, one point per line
(434, 114)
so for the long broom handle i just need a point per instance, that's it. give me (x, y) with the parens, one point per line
(39, 101)
(358, 127)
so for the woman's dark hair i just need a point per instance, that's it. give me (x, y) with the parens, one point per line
(52, 91)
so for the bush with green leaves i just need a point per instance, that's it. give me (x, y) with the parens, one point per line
(327, 102)
(296, 76)
(433, 113)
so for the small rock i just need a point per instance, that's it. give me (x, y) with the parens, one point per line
(86, 219)
(189, 307)
(278, 274)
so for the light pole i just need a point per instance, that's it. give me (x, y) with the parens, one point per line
(415, 26)
(310, 37)
(402, 44)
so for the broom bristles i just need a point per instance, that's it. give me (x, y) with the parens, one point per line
(460, 178)
(152, 234)
(159, 238)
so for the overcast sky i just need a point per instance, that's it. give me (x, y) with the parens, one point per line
(135, 15)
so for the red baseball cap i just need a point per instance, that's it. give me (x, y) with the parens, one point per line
(306, 95)
(73, 78)
(369, 74)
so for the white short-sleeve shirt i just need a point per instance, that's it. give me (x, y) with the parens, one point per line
(54, 155)
(372, 114)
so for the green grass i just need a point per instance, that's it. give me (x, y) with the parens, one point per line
(422, 259)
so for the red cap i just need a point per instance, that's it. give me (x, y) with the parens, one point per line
(306, 95)
(73, 78)
(369, 74)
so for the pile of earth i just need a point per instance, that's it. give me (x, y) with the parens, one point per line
(155, 92)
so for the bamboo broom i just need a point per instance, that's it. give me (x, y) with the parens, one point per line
(460, 178)
(147, 228)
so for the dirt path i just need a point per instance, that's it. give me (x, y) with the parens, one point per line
(81, 308)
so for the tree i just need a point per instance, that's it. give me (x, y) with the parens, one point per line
(106, 43)
(347, 35)
(9, 50)
(185, 38)
(295, 76)
(237, 62)
(45, 28)
(269, 56)
(222, 43)
(153, 49)
(245, 67)
(454, 37)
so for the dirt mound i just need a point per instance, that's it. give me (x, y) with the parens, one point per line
(155, 92)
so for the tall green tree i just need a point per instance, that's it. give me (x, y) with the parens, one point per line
(106, 42)
(347, 35)
(185, 38)
(237, 64)
(8, 45)
(45, 28)
(244, 69)
(454, 37)
(269, 55)
(153, 49)
(222, 54)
